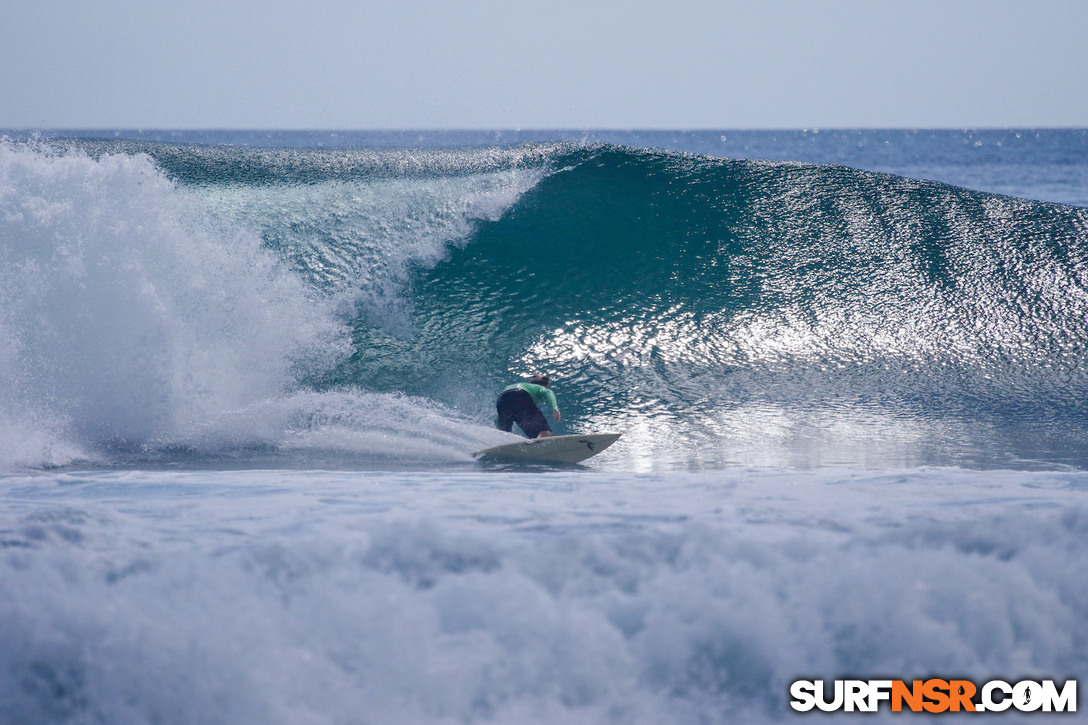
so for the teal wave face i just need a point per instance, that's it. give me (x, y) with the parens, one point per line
(677, 288)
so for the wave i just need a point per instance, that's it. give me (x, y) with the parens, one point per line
(679, 288)
(730, 305)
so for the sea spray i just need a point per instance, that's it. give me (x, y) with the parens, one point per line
(127, 312)
(358, 241)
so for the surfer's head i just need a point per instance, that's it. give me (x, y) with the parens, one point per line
(540, 379)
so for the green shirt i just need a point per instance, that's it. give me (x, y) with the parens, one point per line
(539, 393)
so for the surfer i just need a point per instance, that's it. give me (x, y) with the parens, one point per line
(519, 403)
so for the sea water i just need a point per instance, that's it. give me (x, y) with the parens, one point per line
(242, 376)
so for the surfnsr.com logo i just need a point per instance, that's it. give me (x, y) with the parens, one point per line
(934, 696)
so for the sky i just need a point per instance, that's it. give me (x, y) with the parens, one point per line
(507, 64)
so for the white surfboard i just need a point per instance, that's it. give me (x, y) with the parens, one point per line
(554, 449)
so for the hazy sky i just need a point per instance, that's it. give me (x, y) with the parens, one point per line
(440, 64)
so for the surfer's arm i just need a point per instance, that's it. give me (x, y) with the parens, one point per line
(549, 396)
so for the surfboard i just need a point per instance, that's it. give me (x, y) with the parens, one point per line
(554, 449)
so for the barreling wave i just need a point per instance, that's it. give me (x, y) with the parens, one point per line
(660, 286)
(678, 297)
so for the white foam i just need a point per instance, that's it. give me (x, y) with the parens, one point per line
(311, 597)
(343, 427)
(127, 312)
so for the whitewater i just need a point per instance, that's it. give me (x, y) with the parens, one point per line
(242, 376)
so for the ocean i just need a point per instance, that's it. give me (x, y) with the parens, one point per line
(242, 376)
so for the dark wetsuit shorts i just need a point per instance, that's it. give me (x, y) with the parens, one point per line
(517, 406)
